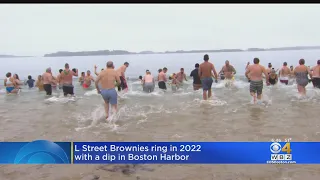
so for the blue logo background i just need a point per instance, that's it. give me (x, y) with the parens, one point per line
(36, 152)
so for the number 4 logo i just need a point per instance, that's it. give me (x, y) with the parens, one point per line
(286, 148)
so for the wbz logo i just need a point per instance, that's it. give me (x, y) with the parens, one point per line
(276, 148)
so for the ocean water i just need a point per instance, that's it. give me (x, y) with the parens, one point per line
(161, 116)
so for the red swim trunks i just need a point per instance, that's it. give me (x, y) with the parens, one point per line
(85, 86)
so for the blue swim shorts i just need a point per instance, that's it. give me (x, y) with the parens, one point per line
(110, 95)
(9, 89)
(206, 83)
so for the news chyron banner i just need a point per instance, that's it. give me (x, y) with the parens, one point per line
(47, 152)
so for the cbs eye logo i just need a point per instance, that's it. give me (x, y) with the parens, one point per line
(277, 148)
(41, 152)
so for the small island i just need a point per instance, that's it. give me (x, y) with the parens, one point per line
(123, 52)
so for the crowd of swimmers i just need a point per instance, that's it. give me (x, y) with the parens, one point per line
(203, 76)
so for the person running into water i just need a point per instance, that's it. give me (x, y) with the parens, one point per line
(108, 92)
(174, 82)
(10, 84)
(254, 73)
(229, 72)
(121, 73)
(162, 79)
(269, 68)
(48, 81)
(196, 79)
(17, 80)
(87, 80)
(66, 80)
(301, 73)
(284, 74)
(95, 70)
(248, 64)
(181, 76)
(59, 79)
(148, 82)
(205, 73)
(273, 77)
(39, 83)
(81, 78)
(316, 75)
(30, 82)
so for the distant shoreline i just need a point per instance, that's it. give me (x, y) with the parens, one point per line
(123, 52)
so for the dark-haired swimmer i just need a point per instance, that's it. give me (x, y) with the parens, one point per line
(10, 84)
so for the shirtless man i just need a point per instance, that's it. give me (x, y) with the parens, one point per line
(316, 75)
(87, 80)
(205, 73)
(180, 76)
(66, 80)
(48, 81)
(162, 79)
(284, 74)
(228, 71)
(121, 73)
(108, 93)
(254, 73)
(269, 68)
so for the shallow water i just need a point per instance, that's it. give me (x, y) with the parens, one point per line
(162, 116)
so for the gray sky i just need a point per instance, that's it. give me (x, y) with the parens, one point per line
(39, 29)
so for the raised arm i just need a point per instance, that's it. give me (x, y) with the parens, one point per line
(95, 70)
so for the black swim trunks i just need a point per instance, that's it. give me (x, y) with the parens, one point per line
(48, 89)
(123, 84)
(67, 89)
(162, 85)
(316, 82)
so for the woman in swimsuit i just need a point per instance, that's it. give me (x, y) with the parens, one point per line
(39, 83)
(301, 73)
(17, 81)
(10, 84)
(273, 77)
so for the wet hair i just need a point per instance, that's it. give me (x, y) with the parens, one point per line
(74, 70)
(181, 69)
(302, 61)
(17, 76)
(60, 70)
(196, 65)
(318, 62)
(8, 74)
(126, 63)
(165, 68)
(206, 57)
(147, 70)
(256, 60)
(140, 77)
(82, 73)
(29, 77)
(66, 65)
(269, 65)
(109, 64)
(285, 64)
(159, 70)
